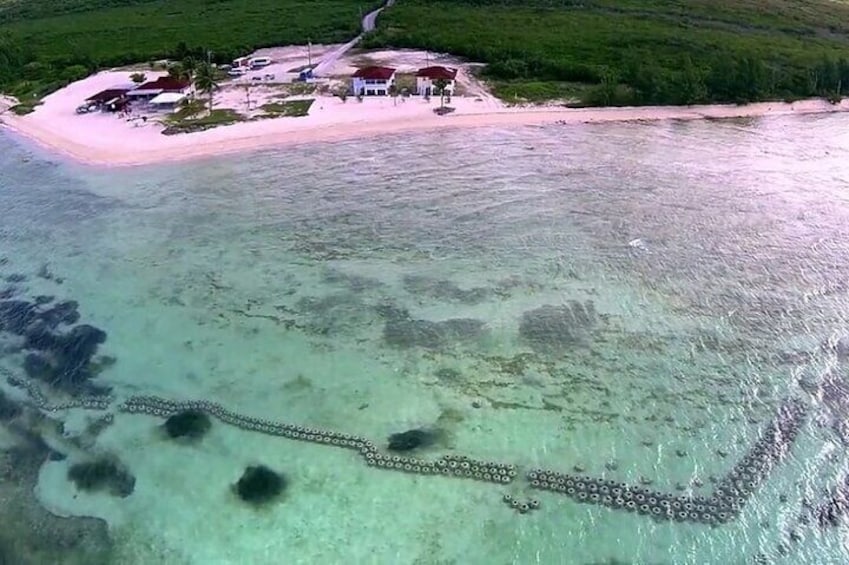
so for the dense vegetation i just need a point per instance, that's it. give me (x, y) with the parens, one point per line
(44, 44)
(637, 51)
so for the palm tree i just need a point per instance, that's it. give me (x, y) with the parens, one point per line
(206, 81)
(190, 67)
(440, 85)
(184, 70)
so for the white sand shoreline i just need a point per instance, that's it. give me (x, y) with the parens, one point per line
(106, 140)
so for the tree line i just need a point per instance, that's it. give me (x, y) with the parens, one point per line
(641, 81)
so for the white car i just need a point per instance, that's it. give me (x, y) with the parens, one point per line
(259, 62)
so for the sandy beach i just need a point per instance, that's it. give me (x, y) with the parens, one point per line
(107, 140)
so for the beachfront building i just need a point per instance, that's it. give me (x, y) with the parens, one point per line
(427, 76)
(150, 90)
(111, 99)
(373, 81)
(167, 100)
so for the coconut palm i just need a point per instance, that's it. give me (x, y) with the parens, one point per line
(440, 85)
(175, 70)
(189, 66)
(206, 81)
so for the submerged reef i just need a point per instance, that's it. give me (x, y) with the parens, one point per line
(334, 313)
(9, 410)
(354, 283)
(412, 439)
(830, 512)
(833, 392)
(259, 485)
(423, 285)
(59, 352)
(190, 425)
(555, 327)
(104, 473)
(32, 535)
(402, 330)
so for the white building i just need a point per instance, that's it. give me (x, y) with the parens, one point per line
(154, 88)
(427, 76)
(373, 81)
(167, 100)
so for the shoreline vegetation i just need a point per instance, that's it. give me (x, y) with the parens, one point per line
(590, 52)
(637, 52)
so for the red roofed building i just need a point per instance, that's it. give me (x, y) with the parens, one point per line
(373, 81)
(426, 77)
(107, 95)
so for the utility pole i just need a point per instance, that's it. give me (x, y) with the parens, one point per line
(309, 53)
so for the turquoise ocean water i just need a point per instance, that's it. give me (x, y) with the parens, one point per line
(630, 302)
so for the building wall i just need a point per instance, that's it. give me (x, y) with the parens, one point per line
(372, 87)
(425, 86)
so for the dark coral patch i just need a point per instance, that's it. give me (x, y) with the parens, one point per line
(188, 424)
(103, 474)
(259, 485)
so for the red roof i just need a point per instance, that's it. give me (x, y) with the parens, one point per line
(166, 84)
(375, 73)
(436, 73)
(107, 95)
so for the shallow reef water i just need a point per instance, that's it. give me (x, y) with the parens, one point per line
(620, 343)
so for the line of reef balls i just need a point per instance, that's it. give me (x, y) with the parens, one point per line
(38, 398)
(722, 506)
(449, 465)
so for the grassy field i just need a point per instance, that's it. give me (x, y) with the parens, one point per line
(44, 43)
(636, 51)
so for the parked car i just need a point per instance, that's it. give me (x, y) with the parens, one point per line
(259, 62)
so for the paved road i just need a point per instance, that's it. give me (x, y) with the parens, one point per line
(371, 18)
(330, 59)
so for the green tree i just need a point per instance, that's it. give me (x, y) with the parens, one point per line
(181, 51)
(137, 78)
(184, 70)
(206, 80)
(604, 94)
(440, 85)
(721, 79)
(189, 66)
(826, 79)
(753, 79)
(646, 79)
(73, 73)
(691, 83)
(393, 92)
(843, 69)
